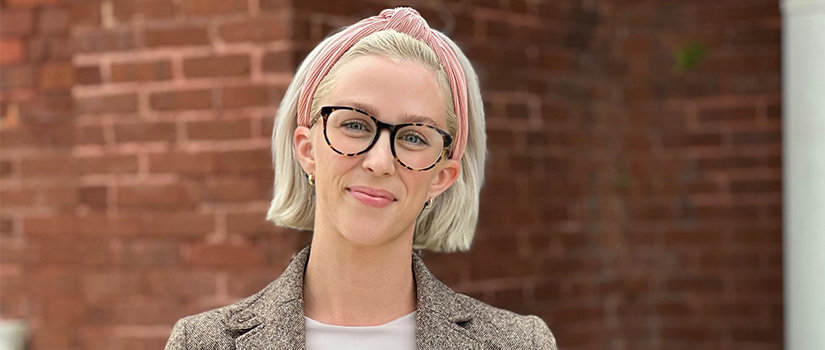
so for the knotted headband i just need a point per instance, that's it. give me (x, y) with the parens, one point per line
(404, 20)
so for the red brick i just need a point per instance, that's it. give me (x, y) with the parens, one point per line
(57, 166)
(7, 168)
(14, 300)
(150, 253)
(91, 224)
(56, 76)
(690, 333)
(32, 3)
(53, 20)
(180, 162)
(554, 222)
(93, 196)
(219, 66)
(112, 285)
(179, 223)
(181, 99)
(267, 124)
(225, 256)
(90, 134)
(214, 7)
(751, 186)
(278, 61)
(242, 161)
(17, 77)
(139, 132)
(64, 248)
(758, 137)
(728, 113)
(128, 10)
(232, 190)
(121, 103)
(86, 13)
(11, 51)
(154, 196)
(49, 48)
(254, 95)
(95, 340)
(17, 197)
(87, 75)
(265, 28)
(47, 108)
(57, 135)
(250, 283)
(732, 12)
(141, 71)
(16, 22)
(274, 5)
(181, 36)
(218, 129)
(59, 196)
(249, 224)
(136, 312)
(110, 164)
(183, 283)
(101, 40)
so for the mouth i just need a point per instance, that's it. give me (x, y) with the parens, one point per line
(371, 196)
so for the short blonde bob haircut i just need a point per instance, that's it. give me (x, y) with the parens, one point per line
(451, 222)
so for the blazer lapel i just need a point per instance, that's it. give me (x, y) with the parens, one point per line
(275, 317)
(284, 330)
(441, 316)
(275, 320)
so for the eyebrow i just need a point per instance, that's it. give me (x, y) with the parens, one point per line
(406, 118)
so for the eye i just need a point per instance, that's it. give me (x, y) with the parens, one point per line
(413, 138)
(355, 125)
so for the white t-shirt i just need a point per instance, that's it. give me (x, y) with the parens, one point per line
(396, 334)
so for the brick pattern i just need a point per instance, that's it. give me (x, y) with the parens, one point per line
(633, 198)
(135, 164)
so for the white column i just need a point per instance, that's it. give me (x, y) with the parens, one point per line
(803, 102)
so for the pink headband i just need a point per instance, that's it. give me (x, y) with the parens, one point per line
(404, 20)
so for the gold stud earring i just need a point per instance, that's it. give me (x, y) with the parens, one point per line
(428, 204)
(311, 179)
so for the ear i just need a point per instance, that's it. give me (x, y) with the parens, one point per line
(302, 144)
(447, 174)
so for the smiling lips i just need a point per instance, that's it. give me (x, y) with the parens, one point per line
(372, 196)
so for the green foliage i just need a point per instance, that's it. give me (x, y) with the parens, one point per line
(689, 56)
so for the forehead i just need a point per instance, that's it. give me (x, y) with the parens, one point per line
(393, 92)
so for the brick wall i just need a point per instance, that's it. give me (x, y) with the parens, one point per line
(633, 197)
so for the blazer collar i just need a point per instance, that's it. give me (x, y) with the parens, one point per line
(274, 317)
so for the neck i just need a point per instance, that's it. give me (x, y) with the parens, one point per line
(358, 285)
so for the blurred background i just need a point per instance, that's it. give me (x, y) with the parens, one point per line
(634, 186)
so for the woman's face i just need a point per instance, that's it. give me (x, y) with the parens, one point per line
(346, 186)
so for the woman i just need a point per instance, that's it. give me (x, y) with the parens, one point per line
(379, 148)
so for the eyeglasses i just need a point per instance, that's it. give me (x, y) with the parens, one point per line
(416, 146)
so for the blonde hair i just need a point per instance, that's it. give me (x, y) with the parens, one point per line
(450, 224)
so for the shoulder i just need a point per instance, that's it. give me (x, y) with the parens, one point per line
(207, 330)
(220, 327)
(506, 329)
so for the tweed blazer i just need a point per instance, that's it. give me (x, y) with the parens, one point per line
(273, 318)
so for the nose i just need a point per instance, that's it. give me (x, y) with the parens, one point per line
(379, 158)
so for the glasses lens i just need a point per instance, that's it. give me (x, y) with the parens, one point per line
(418, 146)
(351, 132)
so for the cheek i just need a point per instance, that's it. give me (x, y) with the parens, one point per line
(332, 168)
(418, 186)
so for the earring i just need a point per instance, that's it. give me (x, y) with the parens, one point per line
(311, 179)
(428, 204)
